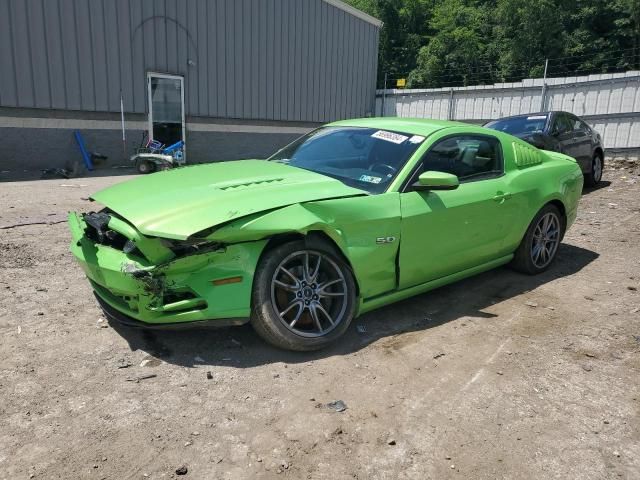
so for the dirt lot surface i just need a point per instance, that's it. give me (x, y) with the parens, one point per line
(501, 376)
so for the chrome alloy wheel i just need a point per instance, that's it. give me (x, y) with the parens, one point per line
(546, 238)
(309, 293)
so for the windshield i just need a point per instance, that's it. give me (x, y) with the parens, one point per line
(364, 158)
(515, 125)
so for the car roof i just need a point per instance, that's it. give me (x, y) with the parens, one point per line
(533, 114)
(415, 126)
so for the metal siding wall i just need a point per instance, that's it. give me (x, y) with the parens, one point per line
(21, 53)
(70, 54)
(39, 60)
(261, 80)
(297, 23)
(99, 54)
(202, 64)
(171, 9)
(125, 54)
(252, 59)
(324, 65)
(112, 55)
(286, 53)
(160, 35)
(609, 102)
(275, 64)
(339, 31)
(191, 81)
(220, 74)
(313, 55)
(138, 86)
(8, 94)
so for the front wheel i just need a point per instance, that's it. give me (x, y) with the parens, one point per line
(592, 178)
(145, 166)
(540, 244)
(303, 298)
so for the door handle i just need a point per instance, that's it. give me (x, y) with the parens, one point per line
(501, 197)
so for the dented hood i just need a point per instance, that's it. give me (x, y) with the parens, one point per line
(179, 203)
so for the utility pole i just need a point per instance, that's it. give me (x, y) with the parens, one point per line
(124, 135)
(543, 99)
(451, 114)
(384, 94)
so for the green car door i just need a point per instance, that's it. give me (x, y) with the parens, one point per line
(447, 231)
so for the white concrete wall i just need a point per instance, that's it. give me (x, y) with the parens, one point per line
(608, 102)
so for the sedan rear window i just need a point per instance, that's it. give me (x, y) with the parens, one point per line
(516, 125)
(364, 158)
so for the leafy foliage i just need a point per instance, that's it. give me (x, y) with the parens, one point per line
(435, 43)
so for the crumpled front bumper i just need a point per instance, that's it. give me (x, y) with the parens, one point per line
(152, 286)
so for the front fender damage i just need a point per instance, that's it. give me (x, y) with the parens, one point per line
(297, 218)
(352, 224)
(158, 280)
(187, 283)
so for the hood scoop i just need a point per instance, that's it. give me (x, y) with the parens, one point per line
(250, 184)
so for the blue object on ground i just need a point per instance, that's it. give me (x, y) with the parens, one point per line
(85, 155)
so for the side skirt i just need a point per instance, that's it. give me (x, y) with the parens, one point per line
(387, 298)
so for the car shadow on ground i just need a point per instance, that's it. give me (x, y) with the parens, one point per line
(240, 347)
(602, 184)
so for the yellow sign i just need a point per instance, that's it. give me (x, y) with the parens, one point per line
(401, 83)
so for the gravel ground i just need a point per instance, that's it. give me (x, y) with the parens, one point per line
(501, 376)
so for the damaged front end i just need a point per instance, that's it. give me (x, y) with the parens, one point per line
(160, 282)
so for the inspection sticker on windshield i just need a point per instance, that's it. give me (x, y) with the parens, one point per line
(389, 136)
(537, 117)
(370, 179)
(416, 139)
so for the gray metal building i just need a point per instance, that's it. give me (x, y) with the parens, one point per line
(234, 78)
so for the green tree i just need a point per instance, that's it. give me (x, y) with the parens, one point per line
(462, 42)
(458, 51)
(527, 33)
(405, 30)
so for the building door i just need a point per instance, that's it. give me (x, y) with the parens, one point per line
(166, 108)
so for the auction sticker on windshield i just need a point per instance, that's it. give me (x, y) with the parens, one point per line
(537, 117)
(389, 136)
(370, 179)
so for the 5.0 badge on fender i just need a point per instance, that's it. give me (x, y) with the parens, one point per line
(383, 240)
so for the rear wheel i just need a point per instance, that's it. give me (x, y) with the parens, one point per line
(597, 165)
(540, 244)
(145, 166)
(303, 298)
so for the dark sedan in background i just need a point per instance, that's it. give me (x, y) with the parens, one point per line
(559, 132)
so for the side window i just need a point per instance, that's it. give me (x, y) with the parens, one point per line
(579, 125)
(466, 156)
(561, 124)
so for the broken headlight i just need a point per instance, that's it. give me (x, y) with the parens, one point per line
(190, 247)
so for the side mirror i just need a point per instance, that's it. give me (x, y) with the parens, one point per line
(432, 180)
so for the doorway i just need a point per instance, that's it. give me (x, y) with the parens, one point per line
(166, 108)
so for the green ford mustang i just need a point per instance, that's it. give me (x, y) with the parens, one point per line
(353, 216)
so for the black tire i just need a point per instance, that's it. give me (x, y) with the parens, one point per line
(527, 257)
(145, 166)
(593, 178)
(271, 297)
